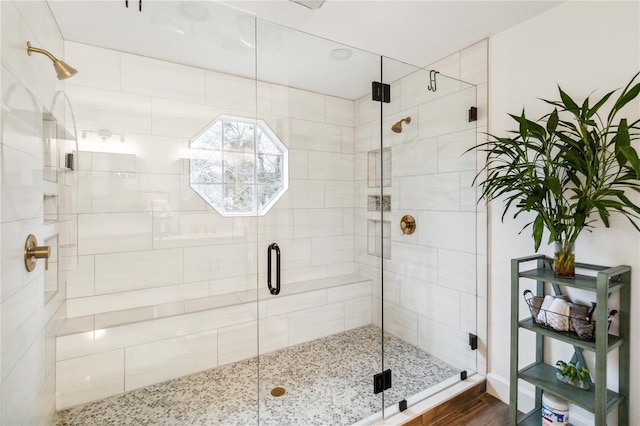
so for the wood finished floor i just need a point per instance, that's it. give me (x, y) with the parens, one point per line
(472, 408)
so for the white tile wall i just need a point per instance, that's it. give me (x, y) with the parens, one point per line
(100, 67)
(305, 326)
(170, 358)
(89, 378)
(114, 232)
(315, 136)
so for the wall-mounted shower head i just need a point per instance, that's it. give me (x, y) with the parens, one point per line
(397, 128)
(63, 70)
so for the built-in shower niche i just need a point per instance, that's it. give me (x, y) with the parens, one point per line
(379, 169)
(376, 203)
(379, 238)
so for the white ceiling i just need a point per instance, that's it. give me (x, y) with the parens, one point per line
(222, 36)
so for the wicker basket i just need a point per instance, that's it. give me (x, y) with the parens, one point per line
(576, 321)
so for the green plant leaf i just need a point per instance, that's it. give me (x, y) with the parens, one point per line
(630, 154)
(568, 103)
(552, 121)
(538, 229)
(599, 104)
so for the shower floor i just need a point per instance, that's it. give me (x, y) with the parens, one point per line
(328, 381)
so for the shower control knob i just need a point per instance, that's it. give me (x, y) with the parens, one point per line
(33, 252)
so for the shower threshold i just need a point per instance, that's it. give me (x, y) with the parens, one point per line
(328, 381)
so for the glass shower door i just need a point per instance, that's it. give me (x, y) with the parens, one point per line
(318, 345)
(428, 231)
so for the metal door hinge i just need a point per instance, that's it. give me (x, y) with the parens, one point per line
(381, 381)
(380, 92)
(473, 114)
(473, 341)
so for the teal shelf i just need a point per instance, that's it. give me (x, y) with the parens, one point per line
(584, 282)
(544, 377)
(569, 336)
(533, 418)
(598, 399)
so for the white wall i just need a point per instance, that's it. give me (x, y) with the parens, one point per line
(29, 320)
(137, 211)
(584, 47)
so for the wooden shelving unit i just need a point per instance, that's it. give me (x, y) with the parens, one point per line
(598, 399)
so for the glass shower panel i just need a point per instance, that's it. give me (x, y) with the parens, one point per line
(319, 338)
(427, 231)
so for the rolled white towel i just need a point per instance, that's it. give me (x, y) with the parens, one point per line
(544, 309)
(558, 315)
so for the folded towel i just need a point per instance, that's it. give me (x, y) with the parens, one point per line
(558, 315)
(579, 322)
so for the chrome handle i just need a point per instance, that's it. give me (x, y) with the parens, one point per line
(33, 252)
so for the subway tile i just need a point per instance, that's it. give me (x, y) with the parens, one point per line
(349, 292)
(314, 136)
(100, 67)
(338, 194)
(231, 92)
(296, 302)
(237, 342)
(12, 243)
(162, 79)
(127, 316)
(457, 270)
(12, 45)
(169, 359)
(452, 152)
(190, 229)
(20, 386)
(304, 325)
(21, 117)
(448, 230)
(232, 284)
(330, 166)
(116, 272)
(348, 142)
(297, 104)
(111, 338)
(304, 193)
(366, 110)
(19, 325)
(135, 298)
(22, 185)
(431, 192)
(342, 268)
(89, 378)
(181, 119)
(274, 333)
(469, 193)
(317, 222)
(276, 224)
(114, 232)
(298, 164)
(115, 111)
(339, 111)
(357, 312)
(329, 250)
(434, 302)
(415, 158)
(446, 343)
(417, 261)
(215, 262)
(157, 154)
(400, 322)
(474, 63)
(468, 313)
(447, 114)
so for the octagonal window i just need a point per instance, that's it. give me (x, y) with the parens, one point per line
(238, 166)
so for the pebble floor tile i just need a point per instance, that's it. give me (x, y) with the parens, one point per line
(327, 382)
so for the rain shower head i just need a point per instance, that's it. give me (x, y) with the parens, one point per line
(397, 128)
(63, 70)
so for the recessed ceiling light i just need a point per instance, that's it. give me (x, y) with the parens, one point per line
(341, 54)
(193, 11)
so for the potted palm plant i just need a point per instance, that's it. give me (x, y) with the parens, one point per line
(571, 168)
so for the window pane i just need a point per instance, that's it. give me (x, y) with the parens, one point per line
(238, 136)
(212, 194)
(238, 198)
(269, 169)
(265, 145)
(206, 170)
(238, 168)
(210, 138)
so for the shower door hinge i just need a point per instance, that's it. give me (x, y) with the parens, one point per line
(380, 92)
(473, 341)
(381, 381)
(473, 114)
(463, 375)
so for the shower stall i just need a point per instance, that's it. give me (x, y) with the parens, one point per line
(251, 224)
